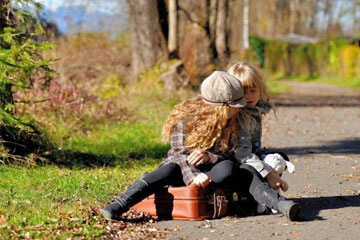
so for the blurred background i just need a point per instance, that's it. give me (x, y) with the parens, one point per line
(122, 65)
(85, 87)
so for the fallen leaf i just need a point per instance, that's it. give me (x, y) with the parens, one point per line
(294, 232)
(2, 219)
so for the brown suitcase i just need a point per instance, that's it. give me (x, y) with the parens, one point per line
(184, 203)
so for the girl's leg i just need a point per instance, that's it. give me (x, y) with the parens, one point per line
(221, 172)
(263, 194)
(169, 174)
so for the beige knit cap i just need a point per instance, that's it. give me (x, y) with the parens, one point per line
(222, 89)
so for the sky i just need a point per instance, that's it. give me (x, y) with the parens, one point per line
(107, 6)
(109, 15)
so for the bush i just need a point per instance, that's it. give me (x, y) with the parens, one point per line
(258, 46)
(337, 57)
(350, 61)
(21, 61)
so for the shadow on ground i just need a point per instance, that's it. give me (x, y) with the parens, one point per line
(316, 101)
(312, 206)
(82, 159)
(346, 146)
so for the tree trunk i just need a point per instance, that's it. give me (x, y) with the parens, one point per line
(354, 11)
(220, 42)
(234, 29)
(147, 38)
(328, 12)
(212, 19)
(172, 43)
(7, 19)
(194, 45)
(7, 15)
(313, 20)
(246, 24)
(294, 6)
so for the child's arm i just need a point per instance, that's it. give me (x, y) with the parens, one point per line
(201, 180)
(178, 154)
(244, 155)
(275, 181)
(197, 158)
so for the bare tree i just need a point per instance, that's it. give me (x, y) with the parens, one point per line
(220, 42)
(172, 40)
(147, 38)
(294, 6)
(246, 24)
(212, 19)
(354, 12)
(7, 15)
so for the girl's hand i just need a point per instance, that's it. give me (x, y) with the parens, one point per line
(196, 158)
(201, 180)
(275, 181)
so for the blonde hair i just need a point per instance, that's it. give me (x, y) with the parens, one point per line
(206, 126)
(250, 77)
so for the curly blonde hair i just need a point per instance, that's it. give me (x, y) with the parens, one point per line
(250, 77)
(207, 126)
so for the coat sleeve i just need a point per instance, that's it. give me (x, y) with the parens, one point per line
(244, 154)
(214, 158)
(178, 154)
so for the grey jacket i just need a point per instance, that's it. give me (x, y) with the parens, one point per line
(249, 143)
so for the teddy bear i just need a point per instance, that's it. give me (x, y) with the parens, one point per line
(279, 165)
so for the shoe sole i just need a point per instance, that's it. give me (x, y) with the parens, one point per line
(294, 212)
(106, 214)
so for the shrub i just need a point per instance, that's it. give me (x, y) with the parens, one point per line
(350, 61)
(21, 61)
(258, 46)
(337, 57)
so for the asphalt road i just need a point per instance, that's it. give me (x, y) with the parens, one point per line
(319, 127)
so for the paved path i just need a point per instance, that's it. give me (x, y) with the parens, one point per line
(319, 126)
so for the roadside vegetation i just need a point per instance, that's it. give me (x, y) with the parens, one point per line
(77, 127)
(103, 137)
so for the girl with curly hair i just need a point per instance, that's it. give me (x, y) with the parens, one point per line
(202, 132)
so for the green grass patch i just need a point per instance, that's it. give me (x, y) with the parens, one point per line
(341, 82)
(276, 87)
(38, 202)
(134, 140)
(353, 83)
(35, 202)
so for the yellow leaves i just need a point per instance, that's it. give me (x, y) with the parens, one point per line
(351, 61)
(3, 219)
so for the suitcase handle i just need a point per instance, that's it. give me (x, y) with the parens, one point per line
(220, 203)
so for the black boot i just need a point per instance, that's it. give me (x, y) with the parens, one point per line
(265, 195)
(134, 194)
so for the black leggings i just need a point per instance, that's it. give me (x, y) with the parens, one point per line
(170, 174)
(224, 173)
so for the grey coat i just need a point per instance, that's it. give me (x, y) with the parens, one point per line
(249, 142)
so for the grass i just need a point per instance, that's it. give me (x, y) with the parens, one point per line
(35, 202)
(341, 82)
(38, 201)
(275, 87)
(54, 201)
(353, 83)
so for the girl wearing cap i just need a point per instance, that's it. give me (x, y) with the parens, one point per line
(203, 131)
(257, 176)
